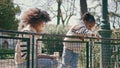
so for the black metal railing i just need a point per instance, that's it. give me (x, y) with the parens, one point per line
(52, 43)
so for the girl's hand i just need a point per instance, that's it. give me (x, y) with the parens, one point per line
(98, 37)
(81, 37)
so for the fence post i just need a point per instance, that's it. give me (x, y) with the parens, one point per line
(87, 55)
(90, 44)
(105, 32)
(33, 61)
(28, 53)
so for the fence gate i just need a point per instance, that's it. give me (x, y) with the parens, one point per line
(7, 51)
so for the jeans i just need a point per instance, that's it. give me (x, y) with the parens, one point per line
(41, 63)
(69, 59)
(47, 63)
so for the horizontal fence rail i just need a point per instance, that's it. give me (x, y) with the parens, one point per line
(52, 45)
(7, 51)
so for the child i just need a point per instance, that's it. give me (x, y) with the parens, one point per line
(71, 50)
(34, 20)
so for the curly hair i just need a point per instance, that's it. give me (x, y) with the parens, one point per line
(88, 17)
(34, 16)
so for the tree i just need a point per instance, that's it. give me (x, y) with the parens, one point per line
(114, 14)
(8, 11)
(65, 13)
(59, 11)
(83, 9)
(83, 6)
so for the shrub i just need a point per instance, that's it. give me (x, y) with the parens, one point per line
(54, 46)
(6, 53)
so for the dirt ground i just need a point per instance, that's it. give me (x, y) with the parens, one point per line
(7, 63)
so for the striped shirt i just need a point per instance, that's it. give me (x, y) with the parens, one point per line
(79, 29)
(21, 47)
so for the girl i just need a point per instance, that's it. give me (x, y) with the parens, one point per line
(34, 20)
(71, 50)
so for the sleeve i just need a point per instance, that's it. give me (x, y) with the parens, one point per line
(81, 30)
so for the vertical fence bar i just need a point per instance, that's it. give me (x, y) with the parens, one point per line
(91, 44)
(118, 57)
(33, 51)
(28, 53)
(87, 55)
(37, 53)
(118, 50)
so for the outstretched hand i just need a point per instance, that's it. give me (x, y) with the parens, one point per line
(98, 37)
(81, 37)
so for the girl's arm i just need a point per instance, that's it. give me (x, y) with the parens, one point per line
(83, 31)
(46, 56)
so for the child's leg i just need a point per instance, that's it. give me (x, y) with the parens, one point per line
(44, 63)
(74, 60)
(69, 59)
(47, 63)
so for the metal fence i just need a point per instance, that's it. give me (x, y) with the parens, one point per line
(52, 45)
(7, 51)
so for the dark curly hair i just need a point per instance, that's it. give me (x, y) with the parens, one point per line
(88, 17)
(34, 16)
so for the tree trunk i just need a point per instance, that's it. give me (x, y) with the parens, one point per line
(83, 7)
(59, 11)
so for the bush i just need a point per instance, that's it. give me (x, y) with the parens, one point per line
(6, 53)
(54, 46)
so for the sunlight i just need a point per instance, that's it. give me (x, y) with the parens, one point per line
(27, 3)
